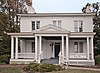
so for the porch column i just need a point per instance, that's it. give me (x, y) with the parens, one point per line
(40, 42)
(36, 48)
(67, 47)
(16, 49)
(88, 48)
(92, 49)
(63, 46)
(12, 47)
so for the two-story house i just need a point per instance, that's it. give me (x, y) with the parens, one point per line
(63, 38)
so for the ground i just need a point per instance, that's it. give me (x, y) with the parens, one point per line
(18, 69)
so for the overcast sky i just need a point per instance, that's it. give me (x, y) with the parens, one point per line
(60, 5)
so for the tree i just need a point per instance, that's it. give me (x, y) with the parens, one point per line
(95, 8)
(9, 22)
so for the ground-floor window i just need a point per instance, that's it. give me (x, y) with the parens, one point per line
(78, 46)
(33, 47)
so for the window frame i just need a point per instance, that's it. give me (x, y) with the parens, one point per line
(36, 25)
(78, 27)
(77, 46)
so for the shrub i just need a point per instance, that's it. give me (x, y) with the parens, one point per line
(32, 67)
(5, 58)
(57, 68)
(46, 67)
(97, 60)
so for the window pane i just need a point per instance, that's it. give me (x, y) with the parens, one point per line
(81, 47)
(80, 26)
(76, 47)
(33, 47)
(59, 24)
(54, 23)
(76, 26)
(38, 24)
(33, 25)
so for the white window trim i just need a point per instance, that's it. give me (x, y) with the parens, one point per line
(78, 21)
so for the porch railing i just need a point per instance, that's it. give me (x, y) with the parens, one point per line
(77, 55)
(62, 59)
(40, 56)
(26, 55)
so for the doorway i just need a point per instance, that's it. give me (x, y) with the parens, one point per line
(57, 49)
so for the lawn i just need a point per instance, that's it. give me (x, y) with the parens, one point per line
(19, 70)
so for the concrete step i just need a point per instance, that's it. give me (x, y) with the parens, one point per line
(50, 61)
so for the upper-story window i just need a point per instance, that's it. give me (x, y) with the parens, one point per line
(35, 25)
(78, 26)
(57, 23)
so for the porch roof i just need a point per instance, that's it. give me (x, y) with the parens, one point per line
(82, 34)
(21, 34)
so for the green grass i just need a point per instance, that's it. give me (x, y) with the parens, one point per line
(76, 71)
(19, 70)
(10, 70)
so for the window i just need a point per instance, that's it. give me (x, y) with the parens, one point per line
(33, 47)
(81, 47)
(75, 26)
(38, 24)
(35, 25)
(78, 26)
(54, 23)
(57, 23)
(78, 46)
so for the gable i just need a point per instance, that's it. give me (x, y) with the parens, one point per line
(50, 29)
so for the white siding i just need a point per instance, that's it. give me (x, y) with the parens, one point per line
(67, 23)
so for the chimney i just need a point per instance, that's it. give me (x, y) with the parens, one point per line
(29, 2)
(30, 9)
(88, 10)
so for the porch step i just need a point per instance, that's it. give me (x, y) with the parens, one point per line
(50, 61)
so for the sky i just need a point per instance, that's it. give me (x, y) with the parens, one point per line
(60, 6)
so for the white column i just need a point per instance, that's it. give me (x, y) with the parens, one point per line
(62, 45)
(88, 48)
(36, 48)
(16, 49)
(40, 42)
(92, 49)
(67, 47)
(53, 50)
(12, 47)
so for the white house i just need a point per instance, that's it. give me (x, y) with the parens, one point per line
(63, 38)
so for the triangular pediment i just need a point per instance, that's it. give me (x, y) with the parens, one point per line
(50, 28)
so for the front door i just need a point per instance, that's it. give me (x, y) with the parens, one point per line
(57, 49)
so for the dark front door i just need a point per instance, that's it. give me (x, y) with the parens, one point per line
(57, 49)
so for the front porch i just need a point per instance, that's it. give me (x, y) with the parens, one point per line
(52, 42)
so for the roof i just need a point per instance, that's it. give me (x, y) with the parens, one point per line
(55, 14)
(21, 34)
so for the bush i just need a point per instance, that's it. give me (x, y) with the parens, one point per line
(33, 67)
(97, 60)
(57, 68)
(5, 58)
(46, 67)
